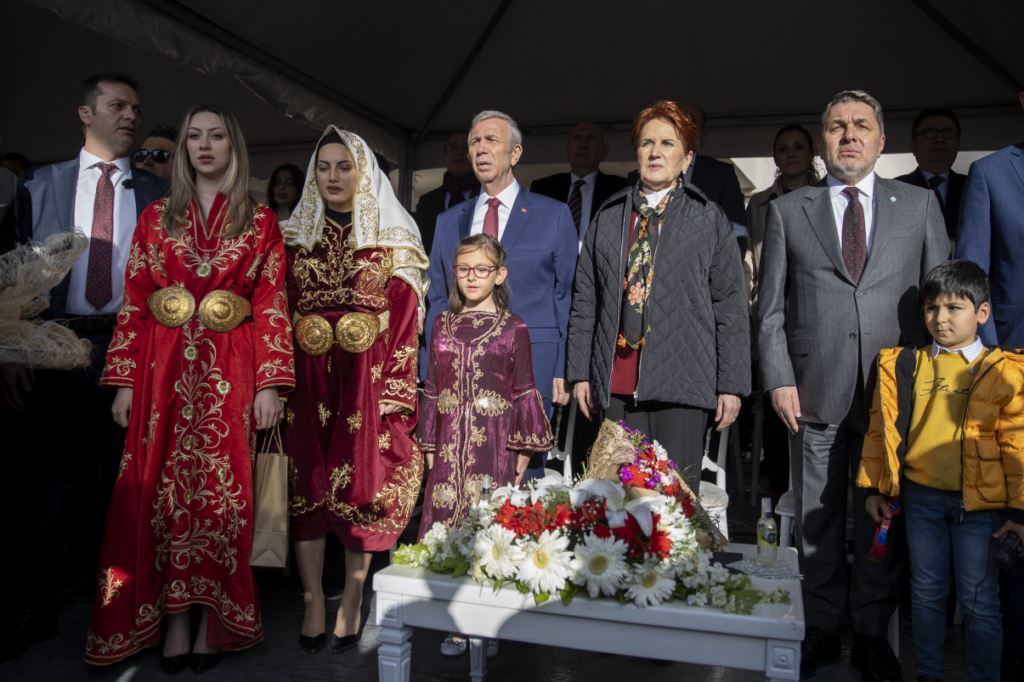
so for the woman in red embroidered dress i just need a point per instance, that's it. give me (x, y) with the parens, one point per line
(201, 350)
(356, 274)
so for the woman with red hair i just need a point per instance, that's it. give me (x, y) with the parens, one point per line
(659, 334)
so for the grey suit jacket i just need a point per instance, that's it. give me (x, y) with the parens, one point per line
(819, 331)
(52, 189)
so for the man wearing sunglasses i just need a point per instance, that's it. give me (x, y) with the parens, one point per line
(157, 152)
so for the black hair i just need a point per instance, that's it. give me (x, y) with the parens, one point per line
(956, 278)
(166, 132)
(812, 171)
(91, 85)
(944, 113)
(20, 158)
(298, 179)
(330, 138)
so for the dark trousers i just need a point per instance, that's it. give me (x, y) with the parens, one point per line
(678, 428)
(822, 459)
(70, 452)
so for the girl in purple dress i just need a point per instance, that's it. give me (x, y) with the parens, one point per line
(480, 414)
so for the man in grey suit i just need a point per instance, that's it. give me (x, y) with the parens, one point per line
(841, 265)
(72, 469)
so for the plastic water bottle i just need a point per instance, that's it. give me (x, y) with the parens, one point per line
(767, 535)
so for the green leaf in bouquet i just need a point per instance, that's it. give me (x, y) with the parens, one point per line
(568, 592)
(498, 583)
(460, 568)
(540, 598)
(522, 587)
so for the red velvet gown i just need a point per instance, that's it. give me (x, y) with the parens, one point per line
(355, 473)
(480, 409)
(179, 531)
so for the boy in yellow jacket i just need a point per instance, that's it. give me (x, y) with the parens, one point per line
(947, 434)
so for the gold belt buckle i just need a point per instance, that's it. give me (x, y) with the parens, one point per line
(172, 306)
(356, 332)
(314, 334)
(222, 310)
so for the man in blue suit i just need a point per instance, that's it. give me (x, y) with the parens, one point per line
(537, 232)
(991, 234)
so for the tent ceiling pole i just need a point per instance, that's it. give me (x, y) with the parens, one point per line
(184, 15)
(965, 41)
(463, 69)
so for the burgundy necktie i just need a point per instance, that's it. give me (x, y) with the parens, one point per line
(576, 203)
(855, 243)
(98, 287)
(491, 218)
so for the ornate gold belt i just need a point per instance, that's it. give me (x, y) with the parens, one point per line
(354, 332)
(220, 310)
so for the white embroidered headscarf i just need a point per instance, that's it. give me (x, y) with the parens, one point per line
(378, 219)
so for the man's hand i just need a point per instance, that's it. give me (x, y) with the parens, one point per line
(1010, 527)
(786, 402)
(559, 392)
(522, 464)
(14, 381)
(581, 391)
(877, 507)
(421, 315)
(728, 410)
(122, 406)
(267, 408)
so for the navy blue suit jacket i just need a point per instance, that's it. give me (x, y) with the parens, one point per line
(540, 239)
(991, 234)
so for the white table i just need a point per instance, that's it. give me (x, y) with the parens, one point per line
(768, 640)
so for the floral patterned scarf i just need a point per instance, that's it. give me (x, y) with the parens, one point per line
(640, 267)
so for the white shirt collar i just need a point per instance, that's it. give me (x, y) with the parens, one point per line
(654, 198)
(969, 352)
(588, 179)
(87, 160)
(866, 185)
(507, 196)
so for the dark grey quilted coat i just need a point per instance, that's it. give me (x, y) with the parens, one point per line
(699, 343)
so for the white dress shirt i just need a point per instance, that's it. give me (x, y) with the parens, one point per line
(866, 196)
(507, 197)
(123, 228)
(968, 352)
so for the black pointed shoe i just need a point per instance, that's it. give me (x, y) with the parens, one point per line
(342, 644)
(201, 663)
(313, 645)
(172, 665)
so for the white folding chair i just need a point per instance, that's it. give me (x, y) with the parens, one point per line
(713, 496)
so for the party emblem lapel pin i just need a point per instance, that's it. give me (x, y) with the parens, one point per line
(523, 209)
(892, 199)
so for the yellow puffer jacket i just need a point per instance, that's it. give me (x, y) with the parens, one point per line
(992, 446)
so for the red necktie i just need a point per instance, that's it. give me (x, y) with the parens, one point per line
(491, 218)
(855, 243)
(576, 203)
(98, 287)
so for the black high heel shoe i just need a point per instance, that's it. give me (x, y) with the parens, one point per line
(172, 665)
(312, 645)
(342, 644)
(204, 662)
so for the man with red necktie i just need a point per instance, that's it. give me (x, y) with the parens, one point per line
(71, 447)
(840, 270)
(537, 232)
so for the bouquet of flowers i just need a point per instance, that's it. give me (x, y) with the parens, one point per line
(553, 539)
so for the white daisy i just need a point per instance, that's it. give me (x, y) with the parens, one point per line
(496, 552)
(547, 563)
(601, 565)
(651, 585)
(436, 538)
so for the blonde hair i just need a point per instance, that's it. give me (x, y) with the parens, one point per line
(241, 205)
(496, 252)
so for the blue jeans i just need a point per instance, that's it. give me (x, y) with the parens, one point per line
(937, 526)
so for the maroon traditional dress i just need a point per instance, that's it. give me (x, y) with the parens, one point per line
(480, 409)
(179, 531)
(354, 472)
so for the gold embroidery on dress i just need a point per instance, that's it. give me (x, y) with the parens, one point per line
(110, 586)
(324, 413)
(375, 371)
(154, 417)
(443, 496)
(355, 421)
(479, 436)
(402, 357)
(120, 341)
(126, 457)
(254, 267)
(399, 388)
(156, 259)
(272, 266)
(136, 261)
(228, 251)
(490, 404)
(384, 440)
(122, 367)
(289, 415)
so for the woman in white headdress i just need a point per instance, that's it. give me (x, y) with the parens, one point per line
(356, 278)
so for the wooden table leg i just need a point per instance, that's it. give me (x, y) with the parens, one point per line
(477, 659)
(394, 657)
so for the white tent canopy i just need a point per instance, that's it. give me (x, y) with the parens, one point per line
(406, 74)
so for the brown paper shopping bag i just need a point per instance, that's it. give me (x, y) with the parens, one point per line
(270, 496)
